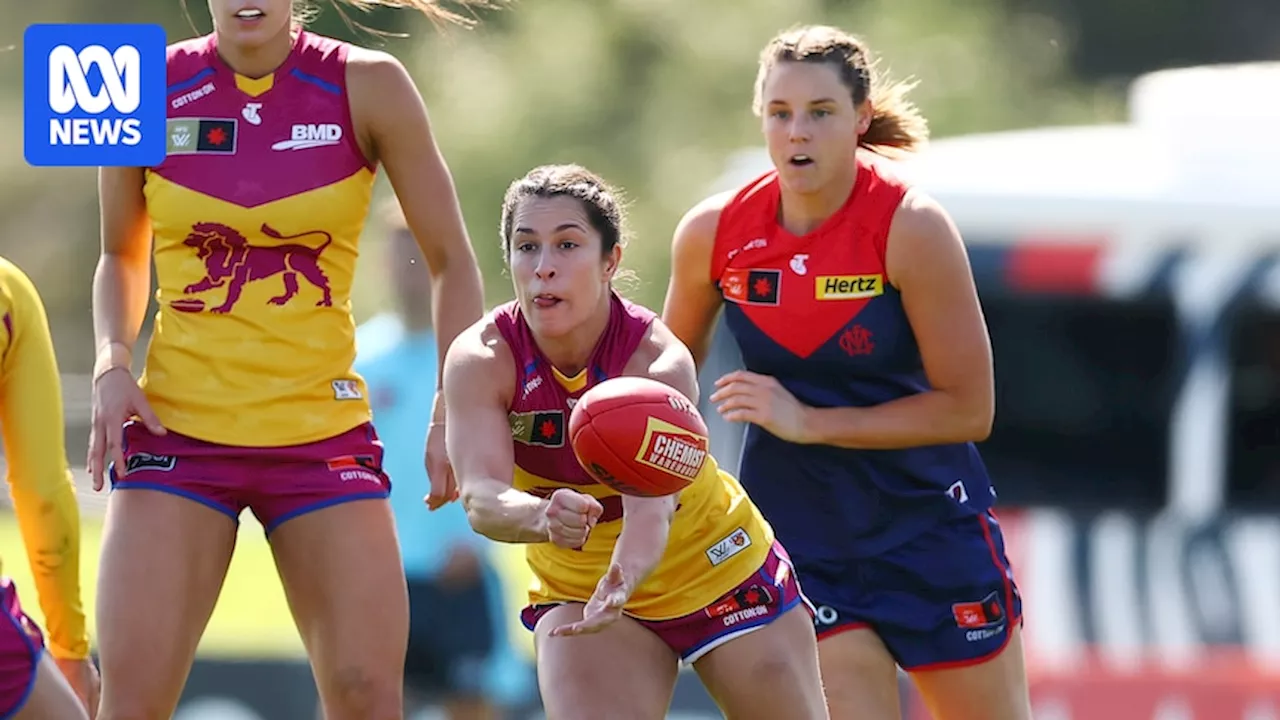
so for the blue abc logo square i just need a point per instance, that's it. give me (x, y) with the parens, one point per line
(94, 95)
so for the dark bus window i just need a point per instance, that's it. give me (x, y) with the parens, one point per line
(1084, 391)
(1253, 461)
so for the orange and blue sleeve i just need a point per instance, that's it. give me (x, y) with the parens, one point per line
(40, 481)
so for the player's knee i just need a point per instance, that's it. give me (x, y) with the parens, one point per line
(358, 693)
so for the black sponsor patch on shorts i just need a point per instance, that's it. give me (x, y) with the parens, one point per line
(147, 461)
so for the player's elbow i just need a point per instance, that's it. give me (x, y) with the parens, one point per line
(485, 510)
(979, 427)
(975, 420)
(479, 508)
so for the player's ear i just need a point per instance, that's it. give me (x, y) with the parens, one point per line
(866, 112)
(611, 261)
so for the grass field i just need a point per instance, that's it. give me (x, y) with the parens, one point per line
(252, 618)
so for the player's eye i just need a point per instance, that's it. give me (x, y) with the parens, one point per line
(525, 247)
(568, 244)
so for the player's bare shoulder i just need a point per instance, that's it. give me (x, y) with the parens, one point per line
(377, 80)
(369, 65)
(697, 229)
(380, 92)
(922, 219)
(480, 361)
(661, 356)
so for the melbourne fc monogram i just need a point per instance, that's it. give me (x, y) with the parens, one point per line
(857, 341)
(231, 261)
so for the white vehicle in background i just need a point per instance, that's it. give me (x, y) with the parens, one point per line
(1171, 220)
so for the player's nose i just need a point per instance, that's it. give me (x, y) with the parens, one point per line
(545, 269)
(799, 130)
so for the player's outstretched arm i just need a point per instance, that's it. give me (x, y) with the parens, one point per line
(38, 475)
(479, 379)
(692, 301)
(646, 522)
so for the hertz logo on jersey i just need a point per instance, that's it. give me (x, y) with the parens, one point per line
(847, 287)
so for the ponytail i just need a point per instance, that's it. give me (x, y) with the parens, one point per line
(435, 10)
(897, 126)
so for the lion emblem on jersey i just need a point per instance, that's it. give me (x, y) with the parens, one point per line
(232, 262)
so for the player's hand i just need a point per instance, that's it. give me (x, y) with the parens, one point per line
(116, 399)
(570, 517)
(444, 486)
(604, 607)
(748, 397)
(84, 680)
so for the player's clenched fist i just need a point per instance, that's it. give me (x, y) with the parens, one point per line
(570, 517)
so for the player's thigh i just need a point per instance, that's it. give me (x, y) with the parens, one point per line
(345, 585)
(769, 672)
(51, 697)
(164, 559)
(624, 672)
(946, 606)
(995, 689)
(30, 684)
(859, 671)
(859, 675)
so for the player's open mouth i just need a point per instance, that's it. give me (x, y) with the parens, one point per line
(250, 14)
(545, 301)
(801, 161)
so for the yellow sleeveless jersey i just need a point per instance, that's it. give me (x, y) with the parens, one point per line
(35, 452)
(717, 538)
(256, 212)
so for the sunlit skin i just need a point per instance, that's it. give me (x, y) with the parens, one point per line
(811, 128)
(561, 277)
(253, 43)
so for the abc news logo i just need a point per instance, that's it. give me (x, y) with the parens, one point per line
(121, 89)
(94, 95)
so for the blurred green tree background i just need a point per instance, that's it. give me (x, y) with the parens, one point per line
(653, 94)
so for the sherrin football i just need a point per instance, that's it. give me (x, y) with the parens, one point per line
(638, 436)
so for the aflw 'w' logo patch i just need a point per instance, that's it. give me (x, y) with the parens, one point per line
(538, 428)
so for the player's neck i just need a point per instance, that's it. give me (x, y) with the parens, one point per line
(258, 61)
(570, 352)
(802, 213)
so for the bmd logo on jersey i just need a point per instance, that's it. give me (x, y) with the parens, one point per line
(94, 95)
(847, 287)
(302, 137)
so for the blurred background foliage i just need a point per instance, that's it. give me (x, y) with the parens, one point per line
(653, 94)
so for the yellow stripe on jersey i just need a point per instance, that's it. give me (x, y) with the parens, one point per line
(253, 87)
(38, 475)
(254, 341)
(717, 540)
(570, 384)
